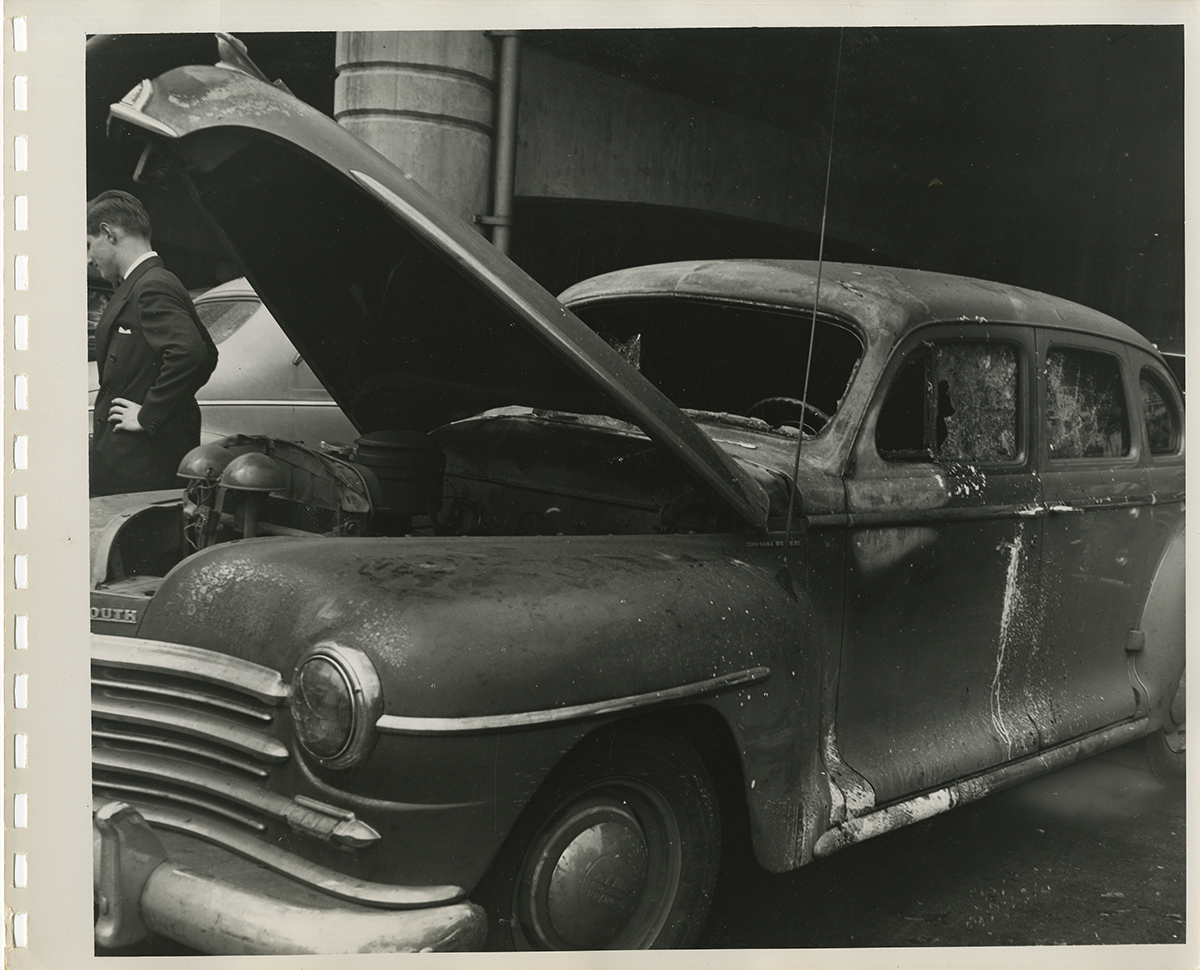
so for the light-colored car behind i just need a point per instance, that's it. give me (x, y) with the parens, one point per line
(261, 384)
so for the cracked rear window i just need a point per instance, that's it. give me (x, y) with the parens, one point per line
(1086, 415)
(955, 402)
(1162, 420)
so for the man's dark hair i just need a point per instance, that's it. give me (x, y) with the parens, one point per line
(118, 208)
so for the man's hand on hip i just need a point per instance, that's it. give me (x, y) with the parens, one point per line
(123, 415)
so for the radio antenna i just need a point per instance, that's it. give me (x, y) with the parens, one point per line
(784, 576)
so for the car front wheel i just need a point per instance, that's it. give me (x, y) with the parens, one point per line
(619, 850)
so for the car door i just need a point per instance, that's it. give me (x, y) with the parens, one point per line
(943, 564)
(1098, 498)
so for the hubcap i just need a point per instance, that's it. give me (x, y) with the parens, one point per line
(597, 882)
(603, 874)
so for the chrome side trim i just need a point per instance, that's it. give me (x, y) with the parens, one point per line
(266, 402)
(193, 723)
(898, 814)
(397, 724)
(294, 867)
(196, 664)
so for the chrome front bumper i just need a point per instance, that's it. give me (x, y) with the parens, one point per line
(173, 885)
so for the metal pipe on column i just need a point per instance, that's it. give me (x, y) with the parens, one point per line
(504, 169)
(425, 100)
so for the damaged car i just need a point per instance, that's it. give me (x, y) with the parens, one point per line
(701, 555)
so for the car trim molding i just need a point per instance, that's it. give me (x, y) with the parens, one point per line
(265, 402)
(210, 728)
(899, 814)
(135, 653)
(134, 116)
(274, 857)
(398, 724)
(326, 823)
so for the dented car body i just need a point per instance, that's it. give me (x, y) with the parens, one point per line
(696, 551)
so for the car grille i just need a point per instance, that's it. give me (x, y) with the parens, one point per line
(195, 741)
(299, 515)
(201, 736)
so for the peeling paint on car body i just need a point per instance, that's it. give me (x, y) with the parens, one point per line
(947, 616)
(1012, 602)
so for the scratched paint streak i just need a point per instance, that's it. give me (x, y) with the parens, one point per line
(1012, 597)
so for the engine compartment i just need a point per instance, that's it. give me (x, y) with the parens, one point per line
(507, 472)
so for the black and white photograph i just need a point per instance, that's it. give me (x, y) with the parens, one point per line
(568, 484)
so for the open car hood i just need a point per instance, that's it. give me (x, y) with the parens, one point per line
(408, 316)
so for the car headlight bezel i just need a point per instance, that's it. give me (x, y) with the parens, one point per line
(360, 692)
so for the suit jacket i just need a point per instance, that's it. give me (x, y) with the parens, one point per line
(152, 349)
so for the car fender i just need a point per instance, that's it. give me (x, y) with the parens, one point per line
(1159, 663)
(531, 644)
(483, 626)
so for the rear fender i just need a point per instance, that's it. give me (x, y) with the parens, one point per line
(1159, 663)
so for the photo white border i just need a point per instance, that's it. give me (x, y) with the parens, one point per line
(56, 844)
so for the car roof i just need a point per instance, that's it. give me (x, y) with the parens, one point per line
(886, 302)
(236, 289)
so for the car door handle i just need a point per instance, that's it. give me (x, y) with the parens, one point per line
(1061, 509)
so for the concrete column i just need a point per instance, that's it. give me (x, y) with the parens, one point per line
(425, 101)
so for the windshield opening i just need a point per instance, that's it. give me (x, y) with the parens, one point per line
(732, 362)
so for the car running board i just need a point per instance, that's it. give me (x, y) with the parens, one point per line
(971, 789)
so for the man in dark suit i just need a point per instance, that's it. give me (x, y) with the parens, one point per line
(152, 353)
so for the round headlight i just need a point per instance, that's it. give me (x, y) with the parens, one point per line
(336, 701)
(323, 708)
(205, 462)
(253, 472)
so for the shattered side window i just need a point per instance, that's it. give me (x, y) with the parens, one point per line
(1086, 416)
(954, 402)
(1162, 423)
(979, 382)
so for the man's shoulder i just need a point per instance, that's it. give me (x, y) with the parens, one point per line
(156, 279)
(155, 272)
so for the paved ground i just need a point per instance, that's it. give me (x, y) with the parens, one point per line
(1091, 854)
